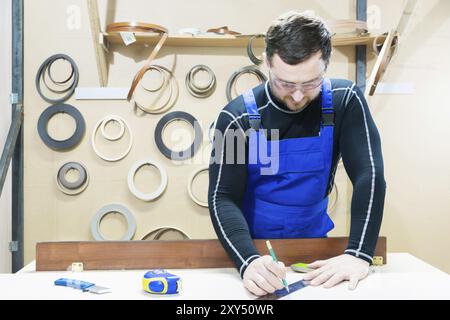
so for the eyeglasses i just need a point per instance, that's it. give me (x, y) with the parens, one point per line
(292, 87)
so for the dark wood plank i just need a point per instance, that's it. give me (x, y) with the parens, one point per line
(181, 254)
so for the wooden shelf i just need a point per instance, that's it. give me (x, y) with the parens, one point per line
(225, 40)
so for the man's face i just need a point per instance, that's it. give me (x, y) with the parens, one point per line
(296, 85)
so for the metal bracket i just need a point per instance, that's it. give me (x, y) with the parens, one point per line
(13, 246)
(13, 98)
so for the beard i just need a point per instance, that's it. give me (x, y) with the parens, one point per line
(296, 106)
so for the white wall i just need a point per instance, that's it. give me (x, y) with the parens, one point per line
(5, 120)
(415, 135)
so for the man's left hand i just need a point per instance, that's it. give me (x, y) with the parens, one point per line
(333, 271)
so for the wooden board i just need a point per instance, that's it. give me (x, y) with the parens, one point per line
(225, 40)
(182, 254)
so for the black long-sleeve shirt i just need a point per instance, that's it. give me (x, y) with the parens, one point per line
(356, 140)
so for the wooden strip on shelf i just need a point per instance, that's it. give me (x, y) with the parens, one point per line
(225, 40)
(181, 254)
(100, 54)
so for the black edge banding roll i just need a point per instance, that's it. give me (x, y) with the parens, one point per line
(60, 145)
(178, 155)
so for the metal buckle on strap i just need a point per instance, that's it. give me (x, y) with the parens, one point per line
(255, 121)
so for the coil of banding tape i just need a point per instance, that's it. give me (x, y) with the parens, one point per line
(70, 142)
(147, 196)
(251, 55)
(44, 71)
(101, 124)
(235, 76)
(146, 28)
(200, 91)
(76, 187)
(158, 233)
(121, 132)
(110, 208)
(190, 182)
(169, 82)
(178, 155)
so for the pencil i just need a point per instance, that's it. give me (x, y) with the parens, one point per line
(274, 257)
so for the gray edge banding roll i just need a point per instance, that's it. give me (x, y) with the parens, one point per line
(250, 53)
(139, 194)
(43, 68)
(61, 144)
(178, 155)
(76, 184)
(96, 220)
(248, 69)
(200, 91)
(63, 81)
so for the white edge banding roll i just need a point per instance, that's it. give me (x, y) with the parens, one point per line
(147, 196)
(103, 123)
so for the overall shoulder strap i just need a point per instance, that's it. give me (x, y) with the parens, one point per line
(327, 103)
(252, 109)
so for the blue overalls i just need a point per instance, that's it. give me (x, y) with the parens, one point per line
(292, 202)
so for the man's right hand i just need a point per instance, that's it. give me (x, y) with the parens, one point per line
(263, 276)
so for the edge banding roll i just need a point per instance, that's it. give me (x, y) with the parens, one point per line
(121, 130)
(169, 82)
(189, 187)
(60, 145)
(72, 188)
(200, 91)
(110, 208)
(235, 76)
(101, 124)
(257, 61)
(158, 232)
(164, 122)
(45, 70)
(139, 194)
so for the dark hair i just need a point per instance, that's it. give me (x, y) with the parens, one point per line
(296, 36)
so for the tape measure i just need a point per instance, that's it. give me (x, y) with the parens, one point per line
(161, 282)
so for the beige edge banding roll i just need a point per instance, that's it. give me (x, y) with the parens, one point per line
(191, 180)
(158, 232)
(121, 131)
